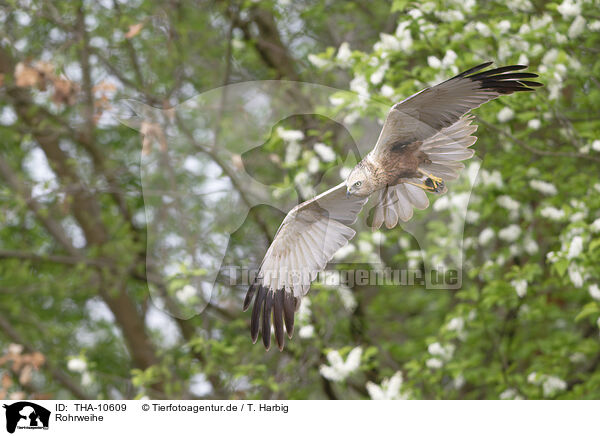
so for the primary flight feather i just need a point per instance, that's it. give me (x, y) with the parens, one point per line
(422, 143)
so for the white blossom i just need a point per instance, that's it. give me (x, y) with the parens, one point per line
(389, 389)
(550, 57)
(306, 331)
(15, 349)
(577, 357)
(578, 216)
(185, 293)
(404, 243)
(594, 291)
(449, 58)
(543, 187)
(459, 381)
(552, 213)
(519, 5)
(594, 25)
(523, 59)
(504, 26)
(505, 114)
(510, 233)
(404, 36)
(304, 313)
(7, 116)
(492, 179)
(486, 236)
(520, 287)
(510, 394)
(345, 251)
(365, 247)
(595, 226)
(336, 101)
(415, 13)
(434, 62)
(533, 378)
(552, 257)
(457, 324)
(347, 297)
(86, 379)
(508, 203)
(531, 247)
(378, 75)
(596, 145)
(539, 22)
(387, 91)
(577, 27)
(378, 237)
(359, 85)
(534, 124)
(552, 385)
(290, 135)
(434, 363)
(325, 152)
(338, 369)
(443, 352)
(472, 216)
(483, 29)
(575, 248)
(303, 183)
(569, 8)
(344, 53)
(575, 275)
(450, 15)
(388, 42)
(318, 61)
(313, 165)
(76, 364)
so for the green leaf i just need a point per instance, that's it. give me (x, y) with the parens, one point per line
(591, 308)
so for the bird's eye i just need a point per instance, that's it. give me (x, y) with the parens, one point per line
(357, 184)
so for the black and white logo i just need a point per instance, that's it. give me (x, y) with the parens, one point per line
(26, 415)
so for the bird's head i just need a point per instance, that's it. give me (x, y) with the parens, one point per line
(358, 182)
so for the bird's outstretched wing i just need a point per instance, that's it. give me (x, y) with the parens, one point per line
(307, 239)
(438, 118)
(427, 112)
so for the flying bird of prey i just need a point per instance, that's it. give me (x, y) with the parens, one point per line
(421, 145)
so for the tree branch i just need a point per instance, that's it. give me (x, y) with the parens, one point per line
(53, 227)
(537, 151)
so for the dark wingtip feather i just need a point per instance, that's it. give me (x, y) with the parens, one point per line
(289, 307)
(249, 295)
(504, 80)
(278, 318)
(530, 83)
(474, 69)
(256, 310)
(266, 325)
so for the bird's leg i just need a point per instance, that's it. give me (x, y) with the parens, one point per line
(431, 183)
(422, 186)
(436, 180)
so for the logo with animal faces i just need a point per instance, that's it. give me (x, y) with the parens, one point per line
(25, 415)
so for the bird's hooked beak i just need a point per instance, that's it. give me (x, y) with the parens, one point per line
(348, 193)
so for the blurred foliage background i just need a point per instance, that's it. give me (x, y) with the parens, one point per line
(76, 318)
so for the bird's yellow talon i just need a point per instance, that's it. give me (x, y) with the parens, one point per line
(437, 180)
(434, 179)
